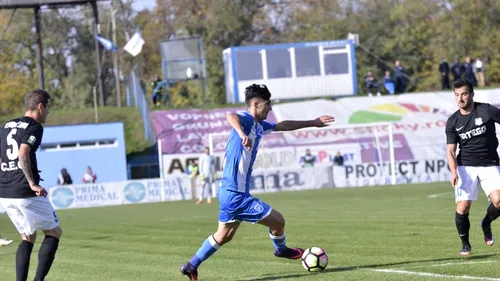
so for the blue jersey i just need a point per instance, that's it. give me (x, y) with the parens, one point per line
(238, 162)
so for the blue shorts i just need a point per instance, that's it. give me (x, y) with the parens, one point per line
(237, 207)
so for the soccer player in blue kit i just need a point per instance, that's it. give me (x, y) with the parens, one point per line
(236, 204)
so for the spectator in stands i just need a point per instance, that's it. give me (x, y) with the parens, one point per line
(308, 160)
(371, 83)
(192, 171)
(444, 70)
(388, 82)
(399, 74)
(89, 176)
(469, 72)
(457, 69)
(480, 72)
(338, 160)
(156, 86)
(64, 178)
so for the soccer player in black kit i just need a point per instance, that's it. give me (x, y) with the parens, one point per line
(21, 195)
(472, 127)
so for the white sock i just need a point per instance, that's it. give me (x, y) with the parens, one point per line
(213, 188)
(201, 194)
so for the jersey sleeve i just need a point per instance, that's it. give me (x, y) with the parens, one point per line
(33, 136)
(494, 113)
(246, 122)
(267, 127)
(451, 134)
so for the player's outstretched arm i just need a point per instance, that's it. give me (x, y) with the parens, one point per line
(235, 123)
(291, 125)
(452, 163)
(25, 163)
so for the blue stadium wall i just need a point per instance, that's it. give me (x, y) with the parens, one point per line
(74, 147)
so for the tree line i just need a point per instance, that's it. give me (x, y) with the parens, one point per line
(419, 33)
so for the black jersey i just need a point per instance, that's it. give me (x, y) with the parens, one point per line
(475, 135)
(13, 183)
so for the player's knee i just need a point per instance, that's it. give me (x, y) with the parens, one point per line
(223, 238)
(496, 203)
(280, 223)
(56, 232)
(463, 209)
(29, 238)
(278, 226)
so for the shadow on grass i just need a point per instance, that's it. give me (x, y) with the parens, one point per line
(351, 268)
(103, 237)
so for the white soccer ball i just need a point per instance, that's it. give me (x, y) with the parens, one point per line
(314, 259)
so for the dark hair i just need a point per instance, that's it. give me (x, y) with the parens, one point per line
(257, 91)
(33, 98)
(66, 177)
(463, 83)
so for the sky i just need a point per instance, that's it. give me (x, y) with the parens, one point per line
(143, 4)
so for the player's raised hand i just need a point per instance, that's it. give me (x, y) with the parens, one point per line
(454, 179)
(39, 191)
(323, 121)
(246, 142)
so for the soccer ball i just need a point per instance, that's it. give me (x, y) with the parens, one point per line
(314, 259)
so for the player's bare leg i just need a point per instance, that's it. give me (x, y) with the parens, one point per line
(203, 190)
(47, 252)
(276, 223)
(463, 225)
(224, 234)
(23, 256)
(200, 198)
(492, 213)
(209, 192)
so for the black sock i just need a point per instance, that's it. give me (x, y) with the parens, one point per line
(46, 256)
(23, 260)
(463, 226)
(492, 214)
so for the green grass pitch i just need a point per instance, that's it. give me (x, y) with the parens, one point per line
(377, 233)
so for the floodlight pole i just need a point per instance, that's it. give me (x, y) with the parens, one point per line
(97, 32)
(115, 57)
(39, 54)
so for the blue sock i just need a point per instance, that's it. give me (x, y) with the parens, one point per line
(209, 247)
(279, 242)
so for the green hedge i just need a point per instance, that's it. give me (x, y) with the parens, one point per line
(131, 118)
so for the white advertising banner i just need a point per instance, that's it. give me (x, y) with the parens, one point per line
(274, 180)
(418, 119)
(119, 193)
(414, 171)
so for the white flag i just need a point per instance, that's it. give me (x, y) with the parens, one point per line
(134, 45)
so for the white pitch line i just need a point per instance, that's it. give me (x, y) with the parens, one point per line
(446, 264)
(436, 195)
(427, 274)
(460, 263)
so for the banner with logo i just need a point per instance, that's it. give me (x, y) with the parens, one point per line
(119, 193)
(413, 171)
(418, 119)
(291, 179)
(186, 130)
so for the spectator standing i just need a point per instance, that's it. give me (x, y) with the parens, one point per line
(444, 70)
(64, 178)
(89, 176)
